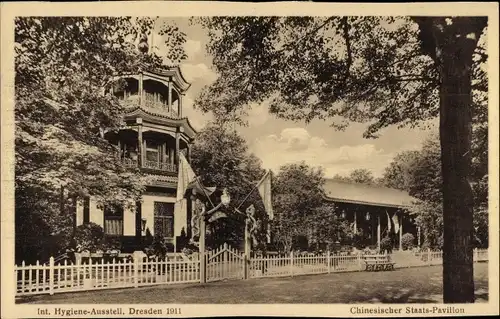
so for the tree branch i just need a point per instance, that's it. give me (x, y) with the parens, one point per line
(345, 28)
(308, 34)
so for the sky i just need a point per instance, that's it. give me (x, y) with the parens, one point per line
(276, 141)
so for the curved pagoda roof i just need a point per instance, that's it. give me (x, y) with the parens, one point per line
(158, 117)
(372, 195)
(163, 75)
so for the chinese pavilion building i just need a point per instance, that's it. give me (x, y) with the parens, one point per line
(153, 135)
(373, 211)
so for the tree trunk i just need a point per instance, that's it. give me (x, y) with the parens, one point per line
(454, 48)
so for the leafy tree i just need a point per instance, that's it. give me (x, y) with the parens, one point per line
(358, 175)
(381, 70)
(62, 64)
(297, 197)
(327, 225)
(397, 174)
(419, 173)
(221, 158)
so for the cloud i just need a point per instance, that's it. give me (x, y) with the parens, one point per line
(258, 114)
(296, 144)
(197, 118)
(192, 47)
(196, 72)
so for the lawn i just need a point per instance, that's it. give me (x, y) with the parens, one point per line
(410, 285)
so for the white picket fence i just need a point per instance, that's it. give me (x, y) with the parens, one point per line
(436, 257)
(52, 278)
(223, 263)
(277, 266)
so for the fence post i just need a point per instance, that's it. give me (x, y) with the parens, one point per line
(328, 260)
(78, 262)
(246, 260)
(203, 268)
(429, 256)
(291, 263)
(136, 270)
(51, 275)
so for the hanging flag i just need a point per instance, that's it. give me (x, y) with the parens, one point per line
(396, 222)
(264, 187)
(185, 177)
(268, 235)
(355, 224)
(388, 223)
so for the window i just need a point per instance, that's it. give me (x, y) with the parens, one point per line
(164, 219)
(113, 220)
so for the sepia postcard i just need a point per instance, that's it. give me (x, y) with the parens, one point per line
(208, 158)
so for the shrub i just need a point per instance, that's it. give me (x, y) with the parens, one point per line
(89, 237)
(407, 241)
(159, 247)
(386, 244)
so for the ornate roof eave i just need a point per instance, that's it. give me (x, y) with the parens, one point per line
(350, 201)
(174, 72)
(171, 71)
(162, 119)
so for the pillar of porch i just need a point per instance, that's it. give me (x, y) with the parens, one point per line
(141, 89)
(401, 233)
(140, 152)
(378, 231)
(170, 96)
(181, 97)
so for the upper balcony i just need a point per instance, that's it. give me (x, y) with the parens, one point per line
(158, 92)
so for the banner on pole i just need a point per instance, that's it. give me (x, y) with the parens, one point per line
(388, 223)
(186, 176)
(264, 187)
(395, 219)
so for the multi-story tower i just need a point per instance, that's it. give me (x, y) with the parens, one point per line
(153, 135)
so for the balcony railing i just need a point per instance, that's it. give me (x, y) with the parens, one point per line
(167, 167)
(153, 165)
(150, 103)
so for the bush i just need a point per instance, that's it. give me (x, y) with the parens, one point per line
(159, 247)
(89, 237)
(407, 241)
(386, 244)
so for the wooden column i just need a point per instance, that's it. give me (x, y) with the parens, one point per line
(355, 223)
(378, 231)
(141, 89)
(139, 142)
(170, 96)
(401, 233)
(181, 97)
